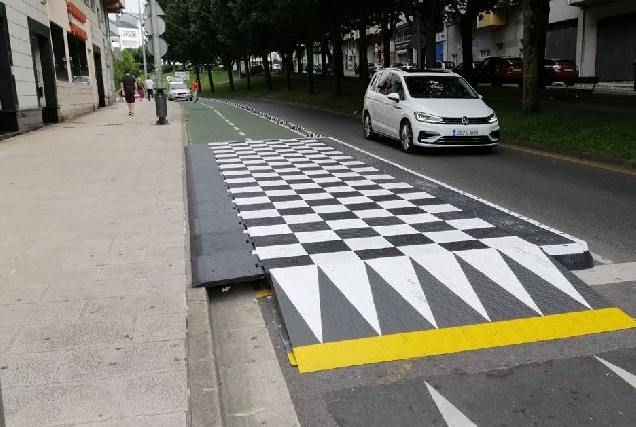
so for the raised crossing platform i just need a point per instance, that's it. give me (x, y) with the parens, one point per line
(369, 268)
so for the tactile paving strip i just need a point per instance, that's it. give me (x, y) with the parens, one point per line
(367, 268)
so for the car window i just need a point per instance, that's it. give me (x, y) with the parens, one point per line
(178, 86)
(396, 86)
(439, 87)
(374, 83)
(384, 83)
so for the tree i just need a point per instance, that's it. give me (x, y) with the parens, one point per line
(139, 58)
(126, 63)
(536, 14)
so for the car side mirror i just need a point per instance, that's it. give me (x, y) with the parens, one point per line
(394, 97)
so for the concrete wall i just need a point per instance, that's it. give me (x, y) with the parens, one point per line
(75, 99)
(22, 69)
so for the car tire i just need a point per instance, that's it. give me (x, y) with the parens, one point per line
(406, 137)
(368, 127)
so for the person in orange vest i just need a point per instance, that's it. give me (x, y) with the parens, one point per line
(194, 87)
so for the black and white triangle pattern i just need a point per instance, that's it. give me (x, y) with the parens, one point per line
(344, 240)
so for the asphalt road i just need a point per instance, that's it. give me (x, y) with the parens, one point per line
(571, 381)
(594, 204)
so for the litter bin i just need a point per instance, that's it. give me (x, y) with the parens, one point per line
(161, 106)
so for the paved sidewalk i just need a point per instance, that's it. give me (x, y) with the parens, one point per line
(92, 272)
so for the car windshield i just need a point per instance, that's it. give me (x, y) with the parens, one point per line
(439, 87)
(178, 86)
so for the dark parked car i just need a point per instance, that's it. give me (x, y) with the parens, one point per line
(497, 71)
(459, 69)
(560, 70)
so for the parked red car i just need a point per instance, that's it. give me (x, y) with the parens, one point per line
(560, 70)
(497, 71)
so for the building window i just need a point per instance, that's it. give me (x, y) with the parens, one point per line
(484, 53)
(59, 52)
(77, 56)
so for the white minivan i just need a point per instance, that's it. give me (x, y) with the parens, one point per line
(428, 109)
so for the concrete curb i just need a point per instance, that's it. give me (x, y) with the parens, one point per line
(204, 400)
(2, 424)
(600, 159)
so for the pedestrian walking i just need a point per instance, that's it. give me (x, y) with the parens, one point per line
(150, 88)
(141, 90)
(128, 87)
(194, 87)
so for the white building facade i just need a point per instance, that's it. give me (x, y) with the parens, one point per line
(55, 60)
(129, 35)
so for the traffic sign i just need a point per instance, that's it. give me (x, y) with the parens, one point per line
(163, 46)
(147, 11)
(161, 26)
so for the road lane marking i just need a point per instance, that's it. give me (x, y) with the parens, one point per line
(432, 342)
(571, 159)
(600, 259)
(608, 274)
(627, 376)
(452, 415)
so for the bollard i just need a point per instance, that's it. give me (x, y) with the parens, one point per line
(161, 106)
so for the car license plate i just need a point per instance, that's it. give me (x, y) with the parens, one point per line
(465, 133)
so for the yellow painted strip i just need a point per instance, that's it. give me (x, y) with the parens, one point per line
(263, 293)
(457, 339)
(571, 159)
(292, 359)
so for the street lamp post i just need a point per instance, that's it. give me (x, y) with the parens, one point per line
(143, 45)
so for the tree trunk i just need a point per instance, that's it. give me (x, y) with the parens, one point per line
(387, 34)
(309, 46)
(288, 63)
(209, 70)
(429, 32)
(363, 65)
(323, 56)
(247, 72)
(336, 41)
(466, 29)
(535, 24)
(197, 72)
(268, 75)
(299, 56)
(230, 75)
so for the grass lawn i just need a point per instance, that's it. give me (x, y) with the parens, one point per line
(599, 124)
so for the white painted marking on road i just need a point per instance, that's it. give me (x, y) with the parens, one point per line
(443, 265)
(490, 262)
(453, 416)
(306, 298)
(242, 133)
(608, 274)
(351, 279)
(399, 273)
(627, 376)
(236, 128)
(601, 259)
(582, 245)
(535, 260)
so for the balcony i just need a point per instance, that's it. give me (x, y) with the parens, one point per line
(493, 20)
(114, 6)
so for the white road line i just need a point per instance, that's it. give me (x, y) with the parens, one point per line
(582, 245)
(627, 376)
(608, 273)
(453, 416)
(600, 259)
(236, 127)
(241, 133)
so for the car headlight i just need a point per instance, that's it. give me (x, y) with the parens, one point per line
(428, 118)
(492, 118)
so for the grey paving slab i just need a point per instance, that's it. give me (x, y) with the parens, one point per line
(93, 272)
(163, 420)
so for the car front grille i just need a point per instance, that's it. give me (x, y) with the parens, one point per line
(463, 140)
(471, 120)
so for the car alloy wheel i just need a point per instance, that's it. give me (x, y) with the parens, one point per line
(406, 137)
(368, 127)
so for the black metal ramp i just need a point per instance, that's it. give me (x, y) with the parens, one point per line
(220, 250)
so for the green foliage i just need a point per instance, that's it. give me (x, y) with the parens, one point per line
(139, 58)
(126, 63)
